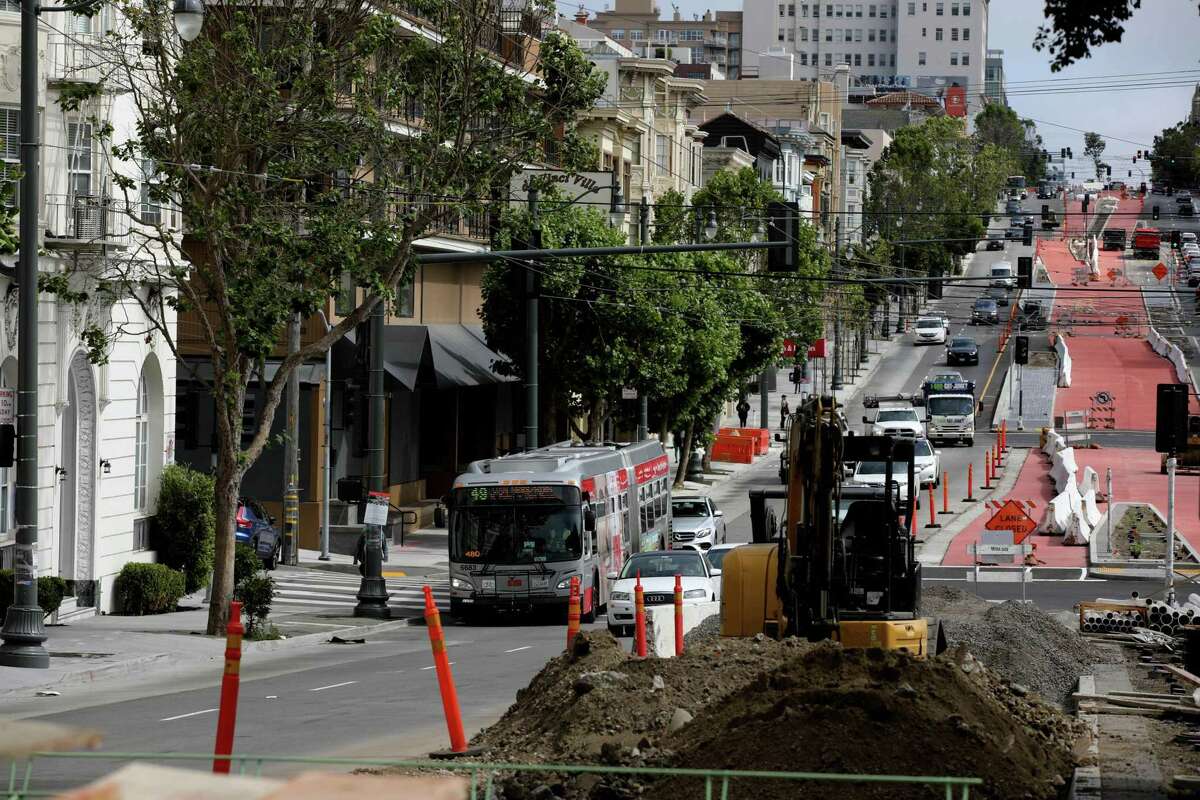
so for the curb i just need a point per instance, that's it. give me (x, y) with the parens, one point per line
(1085, 783)
(129, 667)
(271, 645)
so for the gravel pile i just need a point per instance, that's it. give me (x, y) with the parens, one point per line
(1017, 641)
(706, 633)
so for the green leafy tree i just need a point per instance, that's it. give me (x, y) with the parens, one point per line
(304, 141)
(1076, 27)
(1176, 155)
(1093, 148)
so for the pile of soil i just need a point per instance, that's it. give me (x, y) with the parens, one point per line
(790, 705)
(1017, 641)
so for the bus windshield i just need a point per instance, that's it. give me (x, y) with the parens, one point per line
(951, 406)
(516, 524)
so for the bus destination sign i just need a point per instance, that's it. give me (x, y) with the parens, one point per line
(524, 493)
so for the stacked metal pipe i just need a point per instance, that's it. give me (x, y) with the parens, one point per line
(1111, 621)
(1167, 618)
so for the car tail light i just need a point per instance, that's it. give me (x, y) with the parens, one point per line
(241, 516)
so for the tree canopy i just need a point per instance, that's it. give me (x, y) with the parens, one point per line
(1076, 27)
(1176, 156)
(1000, 126)
(1093, 148)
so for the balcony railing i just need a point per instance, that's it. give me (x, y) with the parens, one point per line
(82, 220)
(449, 219)
(76, 59)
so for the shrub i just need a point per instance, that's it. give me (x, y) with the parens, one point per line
(149, 588)
(50, 592)
(246, 563)
(256, 592)
(185, 523)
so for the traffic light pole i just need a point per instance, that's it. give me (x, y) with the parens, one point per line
(836, 384)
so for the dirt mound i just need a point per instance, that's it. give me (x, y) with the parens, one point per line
(1016, 640)
(599, 704)
(834, 710)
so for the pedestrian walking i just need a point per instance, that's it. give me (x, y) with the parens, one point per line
(677, 440)
(783, 413)
(743, 411)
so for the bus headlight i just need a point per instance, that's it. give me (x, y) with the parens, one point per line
(565, 583)
(461, 584)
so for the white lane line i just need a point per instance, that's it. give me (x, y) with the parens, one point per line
(519, 649)
(433, 666)
(332, 686)
(189, 714)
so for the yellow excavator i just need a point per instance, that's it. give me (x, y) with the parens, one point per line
(842, 565)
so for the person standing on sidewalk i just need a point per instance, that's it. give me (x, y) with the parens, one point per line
(783, 412)
(743, 411)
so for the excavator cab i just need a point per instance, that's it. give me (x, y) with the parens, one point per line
(843, 565)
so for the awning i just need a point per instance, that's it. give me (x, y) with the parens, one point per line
(451, 355)
(203, 369)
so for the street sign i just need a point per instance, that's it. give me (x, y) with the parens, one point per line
(628, 393)
(1001, 549)
(1012, 517)
(1160, 271)
(8, 406)
(789, 348)
(377, 509)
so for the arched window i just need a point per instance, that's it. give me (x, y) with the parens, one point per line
(141, 455)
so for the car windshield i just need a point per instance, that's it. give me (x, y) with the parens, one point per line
(880, 468)
(716, 556)
(929, 323)
(965, 344)
(1001, 272)
(985, 305)
(951, 406)
(689, 508)
(921, 448)
(899, 415)
(689, 564)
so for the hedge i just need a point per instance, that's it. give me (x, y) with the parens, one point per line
(185, 523)
(148, 589)
(51, 591)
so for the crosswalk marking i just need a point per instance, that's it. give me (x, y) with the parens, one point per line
(319, 589)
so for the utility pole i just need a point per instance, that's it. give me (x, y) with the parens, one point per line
(764, 411)
(836, 384)
(372, 590)
(531, 327)
(291, 454)
(643, 396)
(1169, 558)
(327, 473)
(23, 631)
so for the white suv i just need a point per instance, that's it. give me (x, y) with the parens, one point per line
(896, 422)
(930, 330)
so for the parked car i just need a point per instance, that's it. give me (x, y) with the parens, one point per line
(995, 241)
(999, 294)
(696, 522)
(874, 473)
(1186, 238)
(658, 569)
(256, 528)
(1183, 197)
(927, 464)
(716, 554)
(1186, 210)
(929, 330)
(962, 350)
(902, 421)
(984, 311)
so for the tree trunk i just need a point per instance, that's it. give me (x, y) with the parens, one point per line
(227, 487)
(684, 457)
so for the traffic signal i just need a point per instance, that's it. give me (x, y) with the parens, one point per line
(1130, 173)
(1072, 176)
(1045, 210)
(1170, 431)
(1021, 355)
(1109, 170)
(1062, 153)
(1027, 235)
(1024, 272)
(1154, 212)
(781, 227)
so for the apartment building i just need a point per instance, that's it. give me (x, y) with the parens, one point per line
(714, 38)
(926, 45)
(993, 78)
(106, 430)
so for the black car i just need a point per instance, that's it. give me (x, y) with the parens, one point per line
(1187, 210)
(995, 241)
(985, 312)
(962, 350)
(1015, 233)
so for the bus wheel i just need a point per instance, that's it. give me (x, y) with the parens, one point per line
(589, 616)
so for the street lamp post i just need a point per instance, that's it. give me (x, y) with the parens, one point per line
(23, 632)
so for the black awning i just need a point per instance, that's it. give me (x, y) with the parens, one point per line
(461, 357)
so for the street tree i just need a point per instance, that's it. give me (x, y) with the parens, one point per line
(1093, 148)
(1176, 155)
(304, 141)
(1075, 28)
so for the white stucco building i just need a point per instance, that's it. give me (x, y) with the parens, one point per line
(927, 45)
(105, 431)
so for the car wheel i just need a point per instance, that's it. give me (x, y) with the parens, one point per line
(588, 617)
(970, 442)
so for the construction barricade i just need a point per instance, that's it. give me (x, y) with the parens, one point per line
(733, 449)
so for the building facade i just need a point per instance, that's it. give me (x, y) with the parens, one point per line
(926, 45)
(714, 38)
(993, 78)
(105, 430)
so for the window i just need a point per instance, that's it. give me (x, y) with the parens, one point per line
(858, 59)
(10, 153)
(141, 448)
(804, 9)
(151, 202)
(892, 59)
(883, 12)
(912, 9)
(79, 158)
(663, 35)
(921, 58)
(829, 59)
(849, 35)
(838, 10)
(954, 9)
(966, 9)
(924, 32)
(846, 59)
(953, 59)
(858, 34)
(791, 9)
(779, 171)
(829, 9)
(941, 9)
(662, 155)
(937, 34)
(870, 59)
(871, 11)
(11, 5)
(871, 35)
(804, 59)
(781, 34)
(405, 298)
(617, 33)
(966, 32)
(966, 59)
(829, 34)
(954, 34)
(858, 9)
(637, 35)
(804, 34)
(883, 36)
(781, 9)
(791, 35)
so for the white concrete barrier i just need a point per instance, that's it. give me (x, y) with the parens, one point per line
(1091, 514)
(1090, 481)
(1064, 361)
(1054, 443)
(1078, 531)
(1063, 469)
(660, 625)
(1057, 516)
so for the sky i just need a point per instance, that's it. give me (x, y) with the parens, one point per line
(1162, 37)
